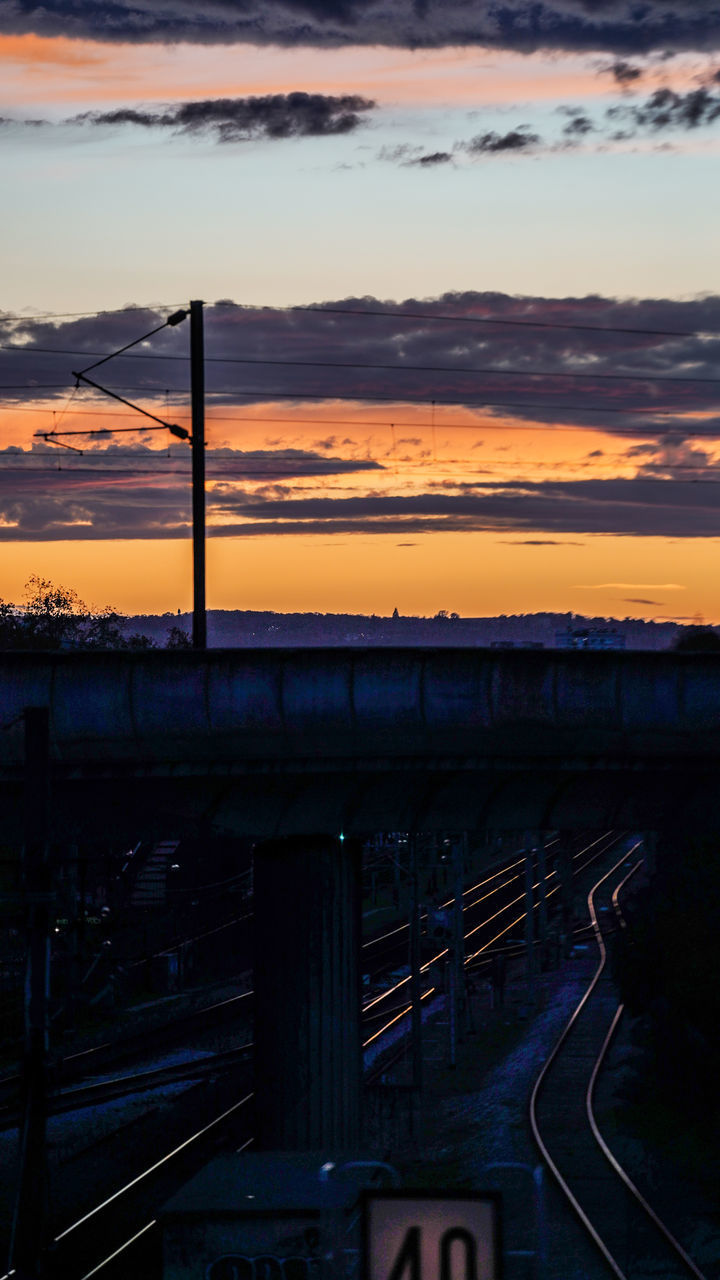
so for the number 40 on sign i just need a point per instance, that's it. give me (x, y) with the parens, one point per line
(418, 1235)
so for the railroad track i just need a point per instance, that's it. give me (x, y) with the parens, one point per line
(118, 1235)
(99, 1091)
(628, 1234)
(75, 1088)
(132, 1045)
(389, 949)
(379, 955)
(500, 897)
(109, 1229)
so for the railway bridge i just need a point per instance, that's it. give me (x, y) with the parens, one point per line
(277, 742)
(307, 749)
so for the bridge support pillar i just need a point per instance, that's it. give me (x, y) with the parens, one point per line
(307, 993)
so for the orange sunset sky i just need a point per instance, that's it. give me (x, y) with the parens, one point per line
(425, 459)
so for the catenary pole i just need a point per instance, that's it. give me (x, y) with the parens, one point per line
(197, 388)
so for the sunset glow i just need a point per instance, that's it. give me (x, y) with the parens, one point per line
(365, 454)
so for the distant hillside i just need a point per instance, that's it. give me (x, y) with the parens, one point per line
(245, 628)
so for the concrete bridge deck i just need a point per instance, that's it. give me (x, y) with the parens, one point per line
(269, 741)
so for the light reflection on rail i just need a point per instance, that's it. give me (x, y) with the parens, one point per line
(424, 968)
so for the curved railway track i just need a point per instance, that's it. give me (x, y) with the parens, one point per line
(113, 1236)
(75, 1083)
(503, 910)
(628, 1234)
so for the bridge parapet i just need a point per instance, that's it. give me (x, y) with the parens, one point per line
(180, 709)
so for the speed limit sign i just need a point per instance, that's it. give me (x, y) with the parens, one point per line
(419, 1235)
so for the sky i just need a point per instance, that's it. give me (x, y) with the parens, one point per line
(462, 303)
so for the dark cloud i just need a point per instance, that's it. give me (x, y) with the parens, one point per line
(624, 72)
(639, 600)
(113, 496)
(663, 110)
(432, 159)
(222, 463)
(624, 28)
(124, 115)
(674, 458)
(107, 494)
(236, 464)
(520, 139)
(151, 508)
(666, 109)
(659, 508)
(374, 351)
(276, 116)
(485, 144)
(7, 122)
(539, 542)
(578, 126)
(330, 442)
(407, 155)
(404, 153)
(653, 385)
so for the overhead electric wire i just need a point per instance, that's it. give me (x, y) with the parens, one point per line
(169, 323)
(224, 474)
(377, 313)
(463, 369)
(106, 311)
(482, 371)
(683, 428)
(491, 320)
(105, 431)
(493, 425)
(369, 365)
(382, 422)
(81, 413)
(237, 469)
(22, 348)
(701, 431)
(401, 398)
(100, 472)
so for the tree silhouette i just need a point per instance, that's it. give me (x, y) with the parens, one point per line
(697, 640)
(54, 617)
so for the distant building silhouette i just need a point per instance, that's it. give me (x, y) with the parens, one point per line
(589, 638)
